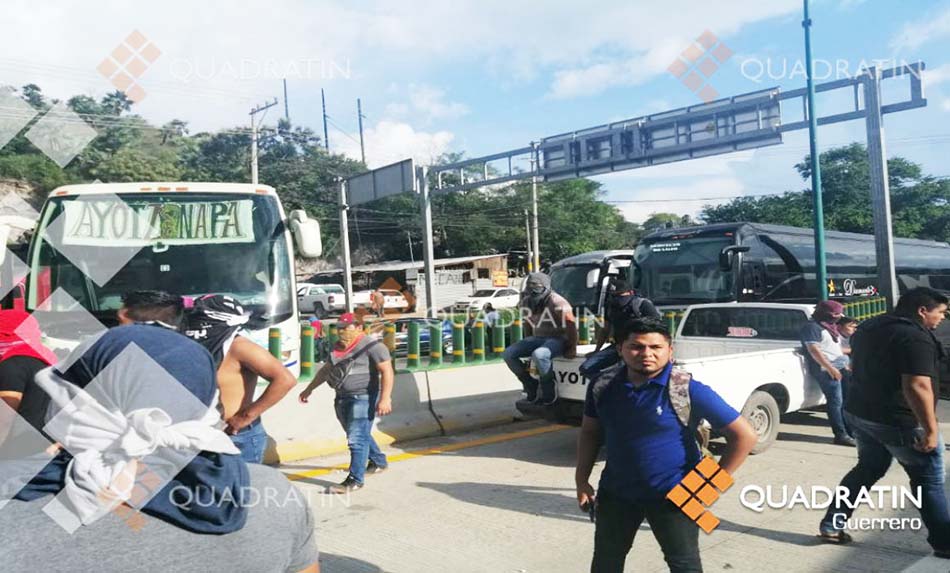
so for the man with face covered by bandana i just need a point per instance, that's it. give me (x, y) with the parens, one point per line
(550, 330)
(360, 371)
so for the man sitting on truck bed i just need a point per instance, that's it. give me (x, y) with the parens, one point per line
(552, 331)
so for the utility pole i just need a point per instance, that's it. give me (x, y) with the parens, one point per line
(535, 249)
(286, 105)
(880, 188)
(254, 128)
(359, 115)
(427, 247)
(345, 237)
(326, 136)
(821, 273)
(527, 232)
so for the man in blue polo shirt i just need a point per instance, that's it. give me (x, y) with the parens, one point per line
(648, 450)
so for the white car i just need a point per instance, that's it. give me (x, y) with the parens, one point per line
(321, 300)
(497, 297)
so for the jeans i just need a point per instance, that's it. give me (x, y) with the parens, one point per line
(605, 358)
(356, 413)
(878, 444)
(617, 524)
(835, 392)
(251, 440)
(541, 349)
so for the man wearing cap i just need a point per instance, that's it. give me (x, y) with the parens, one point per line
(551, 331)
(360, 371)
(821, 342)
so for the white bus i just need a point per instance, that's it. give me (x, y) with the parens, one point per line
(97, 242)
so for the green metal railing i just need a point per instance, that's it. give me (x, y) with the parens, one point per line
(480, 343)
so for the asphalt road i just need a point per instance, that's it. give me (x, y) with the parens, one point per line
(502, 500)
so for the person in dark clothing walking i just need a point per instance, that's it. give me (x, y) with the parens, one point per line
(892, 410)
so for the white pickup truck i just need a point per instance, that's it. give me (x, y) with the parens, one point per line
(749, 353)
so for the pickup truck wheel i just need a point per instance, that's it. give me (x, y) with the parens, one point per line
(319, 310)
(761, 410)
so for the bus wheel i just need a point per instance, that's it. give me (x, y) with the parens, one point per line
(761, 410)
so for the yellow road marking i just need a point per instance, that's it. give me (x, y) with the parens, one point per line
(441, 449)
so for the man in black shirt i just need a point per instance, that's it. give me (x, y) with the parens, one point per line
(623, 304)
(892, 410)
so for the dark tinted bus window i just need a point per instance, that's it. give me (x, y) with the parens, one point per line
(749, 323)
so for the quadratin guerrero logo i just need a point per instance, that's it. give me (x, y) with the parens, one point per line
(877, 497)
(699, 490)
(127, 62)
(697, 63)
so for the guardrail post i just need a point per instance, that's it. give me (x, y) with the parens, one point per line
(412, 346)
(458, 343)
(497, 340)
(435, 344)
(389, 336)
(273, 342)
(478, 341)
(516, 331)
(333, 336)
(670, 318)
(306, 353)
(583, 335)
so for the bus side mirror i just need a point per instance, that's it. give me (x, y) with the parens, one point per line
(727, 256)
(306, 232)
(592, 278)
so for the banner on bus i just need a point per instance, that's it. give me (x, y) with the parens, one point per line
(121, 223)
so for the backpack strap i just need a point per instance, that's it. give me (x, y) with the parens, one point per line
(678, 387)
(603, 379)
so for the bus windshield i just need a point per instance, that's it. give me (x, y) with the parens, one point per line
(570, 281)
(183, 243)
(684, 271)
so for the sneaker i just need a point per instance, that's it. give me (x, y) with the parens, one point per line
(348, 485)
(374, 468)
(845, 441)
(835, 537)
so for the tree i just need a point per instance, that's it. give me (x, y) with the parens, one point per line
(662, 220)
(34, 96)
(920, 204)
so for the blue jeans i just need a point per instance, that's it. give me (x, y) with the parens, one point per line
(541, 349)
(356, 413)
(605, 358)
(251, 440)
(878, 444)
(835, 392)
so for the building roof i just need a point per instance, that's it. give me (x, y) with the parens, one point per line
(406, 265)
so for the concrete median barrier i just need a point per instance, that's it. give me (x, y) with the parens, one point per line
(474, 396)
(425, 403)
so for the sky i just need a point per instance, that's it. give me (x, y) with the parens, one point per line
(489, 76)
